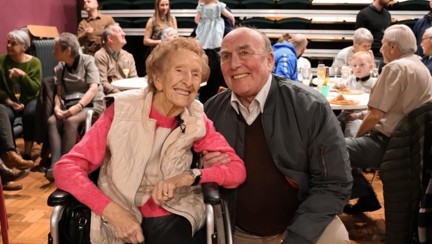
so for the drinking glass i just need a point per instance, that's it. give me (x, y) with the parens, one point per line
(321, 70)
(336, 71)
(17, 90)
(126, 69)
(375, 70)
(306, 73)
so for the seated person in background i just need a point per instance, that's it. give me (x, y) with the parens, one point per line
(362, 41)
(298, 173)
(420, 27)
(76, 74)
(143, 144)
(113, 62)
(20, 81)
(426, 46)
(90, 29)
(403, 85)
(168, 34)
(362, 65)
(286, 52)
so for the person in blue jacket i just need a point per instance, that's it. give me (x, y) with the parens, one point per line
(286, 52)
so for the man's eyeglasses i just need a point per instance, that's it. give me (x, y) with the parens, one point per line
(426, 38)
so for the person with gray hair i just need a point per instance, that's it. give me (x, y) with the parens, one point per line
(168, 34)
(113, 62)
(403, 85)
(286, 54)
(362, 41)
(78, 90)
(20, 81)
(426, 46)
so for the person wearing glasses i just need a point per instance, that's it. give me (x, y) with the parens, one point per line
(298, 173)
(426, 46)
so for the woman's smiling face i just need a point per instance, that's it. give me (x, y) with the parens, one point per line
(179, 83)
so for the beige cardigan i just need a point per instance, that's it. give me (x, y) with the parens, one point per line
(128, 150)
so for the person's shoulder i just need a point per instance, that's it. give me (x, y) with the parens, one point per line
(2, 58)
(100, 53)
(219, 100)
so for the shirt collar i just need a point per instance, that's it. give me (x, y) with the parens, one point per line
(260, 98)
(114, 55)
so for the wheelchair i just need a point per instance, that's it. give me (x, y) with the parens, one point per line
(218, 227)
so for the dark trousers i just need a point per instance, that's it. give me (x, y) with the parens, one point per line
(171, 229)
(365, 152)
(7, 141)
(216, 78)
(28, 118)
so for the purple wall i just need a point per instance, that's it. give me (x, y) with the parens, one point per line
(19, 13)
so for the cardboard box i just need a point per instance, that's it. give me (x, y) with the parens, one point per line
(41, 31)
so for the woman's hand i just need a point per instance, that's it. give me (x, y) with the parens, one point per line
(74, 109)
(59, 113)
(164, 190)
(209, 159)
(124, 224)
(17, 106)
(16, 73)
(340, 85)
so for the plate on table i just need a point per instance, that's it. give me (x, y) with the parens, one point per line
(341, 100)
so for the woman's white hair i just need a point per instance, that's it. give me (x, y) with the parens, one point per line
(22, 37)
(362, 35)
(403, 36)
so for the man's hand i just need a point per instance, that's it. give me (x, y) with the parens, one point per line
(209, 159)
(164, 190)
(125, 226)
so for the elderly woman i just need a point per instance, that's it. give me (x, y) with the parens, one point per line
(20, 79)
(78, 90)
(168, 34)
(143, 144)
(362, 41)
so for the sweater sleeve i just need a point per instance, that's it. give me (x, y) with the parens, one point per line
(228, 175)
(71, 171)
(31, 82)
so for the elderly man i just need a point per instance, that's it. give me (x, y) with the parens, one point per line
(362, 41)
(403, 85)
(298, 174)
(426, 45)
(420, 27)
(90, 29)
(112, 61)
(286, 54)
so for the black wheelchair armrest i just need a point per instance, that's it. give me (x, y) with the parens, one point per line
(59, 197)
(211, 193)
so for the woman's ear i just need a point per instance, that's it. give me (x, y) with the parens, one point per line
(158, 83)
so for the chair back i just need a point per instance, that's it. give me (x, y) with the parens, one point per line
(44, 50)
(401, 173)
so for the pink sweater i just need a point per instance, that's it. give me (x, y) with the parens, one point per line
(71, 172)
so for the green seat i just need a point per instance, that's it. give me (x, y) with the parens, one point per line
(143, 4)
(294, 4)
(115, 4)
(408, 22)
(259, 22)
(123, 22)
(411, 5)
(183, 4)
(140, 22)
(293, 23)
(258, 4)
(186, 22)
